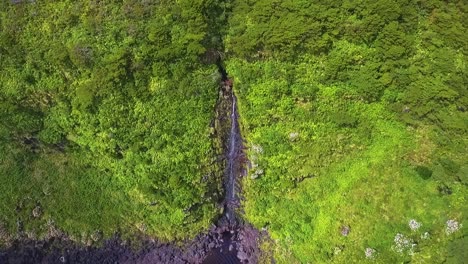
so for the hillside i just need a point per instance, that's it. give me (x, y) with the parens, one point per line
(353, 116)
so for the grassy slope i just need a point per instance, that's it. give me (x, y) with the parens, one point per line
(354, 112)
(363, 170)
(121, 86)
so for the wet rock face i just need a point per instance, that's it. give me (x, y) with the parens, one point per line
(239, 243)
(226, 253)
(248, 251)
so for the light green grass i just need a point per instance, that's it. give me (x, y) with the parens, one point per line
(364, 174)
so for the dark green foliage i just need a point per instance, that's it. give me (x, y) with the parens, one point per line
(462, 175)
(457, 252)
(343, 119)
(117, 103)
(355, 114)
(424, 172)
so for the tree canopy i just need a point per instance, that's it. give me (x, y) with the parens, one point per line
(354, 115)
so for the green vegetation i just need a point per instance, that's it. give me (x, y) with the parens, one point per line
(355, 114)
(105, 117)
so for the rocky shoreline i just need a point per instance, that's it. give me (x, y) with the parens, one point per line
(115, 250)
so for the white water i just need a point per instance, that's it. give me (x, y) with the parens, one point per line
(234, 150)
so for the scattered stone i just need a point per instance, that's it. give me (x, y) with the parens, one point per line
(88, 242)
(403, 244)
(4, 235)
(19, 226)
(452, 226)
(293, 136)
(242, 256)
(50, 221)
(72, 238)
(426, 235)
(142, 227)
(370, 253)
(248, 238)
(414, 225)
(37, 212)
(345, 230)
(338, 250)
(96, 236)
(257, 149)
(54, 232)
(31, 235)
(257, 173)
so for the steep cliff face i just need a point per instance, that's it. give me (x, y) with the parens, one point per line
(228, 134)
(227, 125)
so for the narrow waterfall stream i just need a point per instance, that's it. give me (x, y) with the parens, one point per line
(233, 147)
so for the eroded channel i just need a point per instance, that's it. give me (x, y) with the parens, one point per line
(227, 125)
